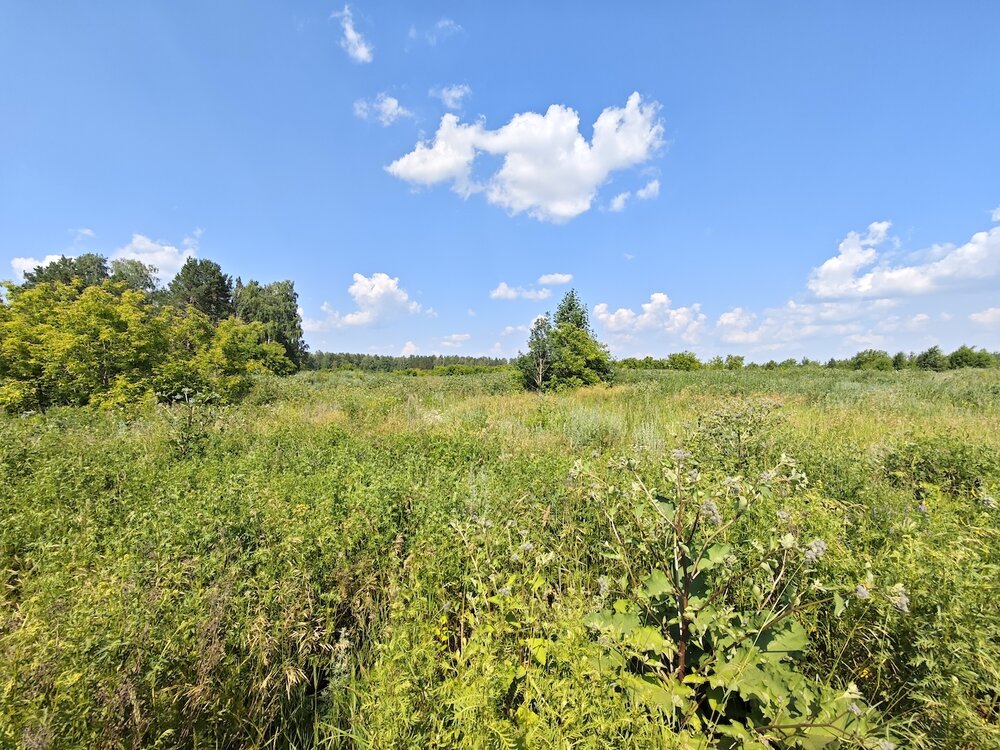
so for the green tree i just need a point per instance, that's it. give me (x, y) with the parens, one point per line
(202, 285)
(734, 362)
(932, 359)
(577, 358)
(535, 366)
(89, 268)
(572, 312)
(871, 359)
(276, 307)
(134, 274)
(966, 356)
(900, 361)
(683, 361)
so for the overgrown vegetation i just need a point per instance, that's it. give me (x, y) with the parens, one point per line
(78, 333)
(711, 559)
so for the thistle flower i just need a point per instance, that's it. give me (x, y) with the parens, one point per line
(731, 483)
(899, 599)
(694, 475)
(710, 511)
(527, 547)
(768, 476)
(602, 586)
(680, 455)
(816, 550)
(862, 592)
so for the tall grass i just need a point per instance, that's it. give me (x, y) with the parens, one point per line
(351, 561)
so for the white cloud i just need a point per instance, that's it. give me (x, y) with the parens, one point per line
(379, 300)
(995, 215)
(651, 190)
(504, 291)
(83, 233)
(22, 266)
(549, 169)
(444, 28)
(656, 315)
(408, 350)
(455, 340)
(618, 202)
(386, 109)
(353, 43)
(555, 278)
(988, 317)
(452, 96)
(945, 266)
(166, 258)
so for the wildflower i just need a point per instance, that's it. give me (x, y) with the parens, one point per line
(602, 586)
(899, 599)
(862, 592)
(711, 512)
(505, 591)
(854, 708)
(783, 516)
(527, 547)
(694, 475)
(731, 483)
(680, 455)
(815, 550)
(768, 476)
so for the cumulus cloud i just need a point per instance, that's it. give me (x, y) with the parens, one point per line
(455, 340)
(988, 317)
(408, 350)
(943, 267)
(452, 96)
(618, 202)
(384, 108)
(505, 291)
(657, 315)
(555, 278)
(549, 169)
(352, 42)
(379, 300)
(650, 190)
(166, 258)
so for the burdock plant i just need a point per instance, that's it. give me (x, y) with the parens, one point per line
(710, 640)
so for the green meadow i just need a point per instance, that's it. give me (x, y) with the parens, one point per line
(803, 558)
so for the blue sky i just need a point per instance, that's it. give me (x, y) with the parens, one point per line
(779, 179)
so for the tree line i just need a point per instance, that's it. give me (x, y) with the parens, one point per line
(869, 359)
(389, 363)
(84, 331)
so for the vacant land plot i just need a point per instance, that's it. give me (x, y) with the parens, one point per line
(710, 559)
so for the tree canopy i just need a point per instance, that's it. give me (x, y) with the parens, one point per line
(562, 351)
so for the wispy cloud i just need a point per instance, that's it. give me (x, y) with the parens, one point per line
(384, 108)
(352, 42)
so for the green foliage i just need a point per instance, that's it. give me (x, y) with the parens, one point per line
(202, 285)
(347, 560)
(276, 307)
(134, 274)
(562, 352)
(872, 359)
(90, 269)
(106, 345)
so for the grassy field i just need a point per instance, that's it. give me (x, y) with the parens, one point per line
(352, 561)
